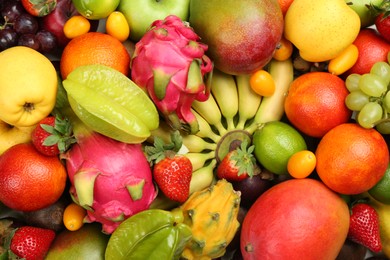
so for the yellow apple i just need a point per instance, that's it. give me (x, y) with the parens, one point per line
(11, 135)
(321, 29)
(28, 86)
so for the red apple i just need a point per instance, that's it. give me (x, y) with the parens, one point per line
(54, 22)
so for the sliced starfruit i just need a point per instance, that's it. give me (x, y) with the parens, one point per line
(110, 103)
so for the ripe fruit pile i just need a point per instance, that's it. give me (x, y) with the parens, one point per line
(147, 130)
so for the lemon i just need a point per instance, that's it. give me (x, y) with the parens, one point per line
(381, 190)
(275, 142)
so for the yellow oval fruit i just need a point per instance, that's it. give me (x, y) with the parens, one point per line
(321, 29)
(28, 86)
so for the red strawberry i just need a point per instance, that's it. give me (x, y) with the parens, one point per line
(31, 243)
(52, 136)
(238, 164)
(364, 227)
(171, 172)
(382, 21)
(173, 177)
(383, 26)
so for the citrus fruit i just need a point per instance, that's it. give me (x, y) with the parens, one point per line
(28, 86)
(110, 103)
(381, 190)
(301, 164)
(95, 9)
(351, 159)
(29, 180)
(372, 48)
(274, 143)
(315, 103)
(94, 48)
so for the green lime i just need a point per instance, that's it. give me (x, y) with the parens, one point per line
(110, 103)
(274, 143)
(381, 190)
(95, 9)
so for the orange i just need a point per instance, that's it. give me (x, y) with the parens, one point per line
(284, 5)
(30, 181)
(315, 103)
(372, 48)
(351, 159)
(301, 164)
(94, 48)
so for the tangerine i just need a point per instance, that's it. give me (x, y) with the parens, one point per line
(29, 180)
(372, 48)
(315, 103)
(94, 48)
(351, 159)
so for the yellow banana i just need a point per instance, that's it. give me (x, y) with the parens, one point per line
(196, 144)
(205, 130)
(248, 101)
(198, 160)
(209, 110)
(203, 177)
(224, 90)
(272, 107)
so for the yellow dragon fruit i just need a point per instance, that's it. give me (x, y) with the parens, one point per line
(212, 216)
(170, 63)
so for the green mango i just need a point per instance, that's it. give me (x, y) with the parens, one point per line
(89, 242)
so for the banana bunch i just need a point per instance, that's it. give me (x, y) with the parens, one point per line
(229, 116)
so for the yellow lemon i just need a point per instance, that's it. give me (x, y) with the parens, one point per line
(321, 29)
(28, 86)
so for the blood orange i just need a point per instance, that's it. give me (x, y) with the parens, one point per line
(351, 159)
(315, 103)
(29, 180)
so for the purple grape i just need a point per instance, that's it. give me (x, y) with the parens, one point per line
(12, 10)
(29, 40)
(26, 23)
(8, 38)
(47, 41)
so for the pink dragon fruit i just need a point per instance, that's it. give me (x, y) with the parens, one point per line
(170, 63)
(111, 179)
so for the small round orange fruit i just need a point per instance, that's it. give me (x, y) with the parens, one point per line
(30, 180)
(351, 159)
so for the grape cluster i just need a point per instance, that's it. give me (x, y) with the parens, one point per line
(19, 28)
(370, 97)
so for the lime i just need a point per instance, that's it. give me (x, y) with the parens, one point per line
(110, 103)
(95, 9)
(275, 142)
(381, 190)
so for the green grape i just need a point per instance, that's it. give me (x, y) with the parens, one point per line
(356, 100)
(373, 85)
(352, 82)
(382, 69)
(369, 114)
(386, 102)
(383, 127)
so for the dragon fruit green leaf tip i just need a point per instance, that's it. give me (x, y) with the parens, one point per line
(169, 61)
(111, 179)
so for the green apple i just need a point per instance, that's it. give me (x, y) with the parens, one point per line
(141, 13)
(363, 9)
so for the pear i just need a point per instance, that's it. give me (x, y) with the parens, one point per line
(241, 35)
(321, 29)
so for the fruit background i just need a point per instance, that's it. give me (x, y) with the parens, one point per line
(194, 129)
